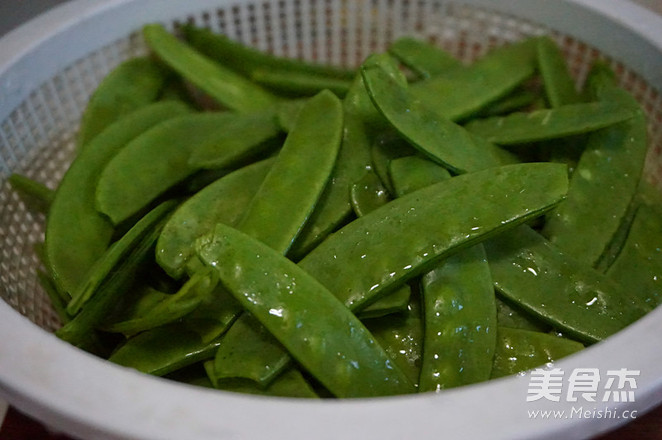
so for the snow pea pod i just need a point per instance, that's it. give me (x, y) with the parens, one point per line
(240, 138)
(559, 85)
(423, 58)
(305, 162)
(386, 148)
(193, 338)
(602, 186)
(113, 258)
(247, 60)
(435, 136)
(571, 296)
(316, 328)
(299, 84)
(545, 124)
(519, 99)
(639, 264)
(224, 85)
(224, 201)
(80, 330)
(413, 172)
(175, 306)
(521, 350)
(290, 383)
(129, 86)
(76, 233)
(35, 195)
(380, 251)
(459, 319)
(152, 163)
(511, 316)
(462, 91)
(59, 306)
(459, 322)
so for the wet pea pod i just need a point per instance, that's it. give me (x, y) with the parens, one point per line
(316, 328)
(521, 350)
(35, 195)
(76, 233)
(569, 295)
(511, 316)
(296, 84)
(386, 148)
(234, 142)
(458, 301)
(433, 135)
(638, 266)
(460, 92)
(291, 383)
(247, 60)
(602, 186)
(193, 338)
(154, 162)
(559, 85)
(223, 201)
(305, 163)
(423, 58)
(129, 86)
(224, 85)
(80, 331)
(546, 124)
(380, 251)
(460, 322)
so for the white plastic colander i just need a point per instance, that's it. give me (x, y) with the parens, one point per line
(48, 69)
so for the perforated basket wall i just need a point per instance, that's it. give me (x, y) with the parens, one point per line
(37, 139)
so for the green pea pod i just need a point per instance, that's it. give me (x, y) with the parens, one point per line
(459, 322)
(572, 297)
(224, 201)
(317, 329)
(546, 124)
(290, 383)
(459, 306)
(138, 303)
(247, 60)
(80, 330)
(521, 350)
(174, 307)
(305, 163)
(412, 172)
(382, 250)
(421, 57)
(511, 316)
(518, 100)
(288, 111)
(129, 86)
(462, 91)
(435, 136)
(639, 264)
(386, 148)
(602, 186)
(76, 233)
(231, 143)
(299, 84)
(368, 194)
(34, 194)
(558, 84)
(193, 338)
(112, 259)
(401, 335)
(224, 85)
(333, 207)
(152, 163)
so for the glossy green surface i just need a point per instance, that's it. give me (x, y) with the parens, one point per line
(129, 86)
(222, 84)
(435, 136)
(76, 233)
(223, 201)
(423, 58)
(521, 350)
(413, 172)
(378, 252)
(152, 163)
(316, 328)
(569, 295)
(559, 85)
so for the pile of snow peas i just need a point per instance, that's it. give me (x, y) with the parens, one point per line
(251, 223)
